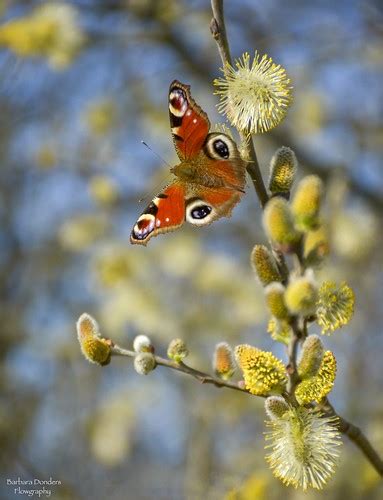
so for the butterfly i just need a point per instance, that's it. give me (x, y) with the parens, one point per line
(209, 180)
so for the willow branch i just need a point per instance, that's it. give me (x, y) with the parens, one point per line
(202, 377)
(292, 353)
(345, 427)
(350, 430)
(218, 30)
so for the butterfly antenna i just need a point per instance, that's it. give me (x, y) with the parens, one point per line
(155, 153)
(159, 186)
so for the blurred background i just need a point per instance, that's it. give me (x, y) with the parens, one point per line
(82, 83)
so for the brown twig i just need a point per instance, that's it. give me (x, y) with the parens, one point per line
(202, 377)
(292, 353)
(356, 436)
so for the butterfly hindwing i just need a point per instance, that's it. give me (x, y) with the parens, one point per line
(223, 161)
(204, 206)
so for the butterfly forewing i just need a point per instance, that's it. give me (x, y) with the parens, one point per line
(164, 213)
(189, 123)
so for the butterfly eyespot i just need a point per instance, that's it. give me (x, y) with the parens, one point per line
(221, 148)
(177, 102)
(200, 212)
(144, 226)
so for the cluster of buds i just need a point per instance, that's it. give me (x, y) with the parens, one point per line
(144, 361)
(295, 227)
(287, 224)
(303, 442)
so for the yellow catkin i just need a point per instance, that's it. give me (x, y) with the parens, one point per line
(223, 361)
(317, 387)
(51, 30)
(264, 265)
(303, 447)
(279, 223)
(283, 167)
(275, 300)
(302, 295)
(255, 95)
(279, 331)
(306, 203)
(94, 348)
(311, 358)
(177, 350)
(263, 373)
(335, 306)
(316, 246)
(276, 407)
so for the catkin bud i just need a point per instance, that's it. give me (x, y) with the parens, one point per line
(276, 407)
(94, 348)
(283, 166)
(223, 361)
(275, 300)
(306, 203)
(264, 265)
(301, 295)
(316, 246)
(142, 343)
(279, 224)
(311, 357)
(177, 350)
(144, 363)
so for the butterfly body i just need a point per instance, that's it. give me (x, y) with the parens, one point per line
(209, 180)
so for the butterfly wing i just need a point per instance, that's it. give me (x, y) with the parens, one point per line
(189, 123)
(164, 213)
(178, 203)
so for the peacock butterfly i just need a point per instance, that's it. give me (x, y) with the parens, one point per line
(210, 178)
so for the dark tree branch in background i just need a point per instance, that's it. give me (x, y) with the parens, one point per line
(354, 433)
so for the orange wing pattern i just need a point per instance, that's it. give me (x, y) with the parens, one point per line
(189, 124)
(165, 213)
